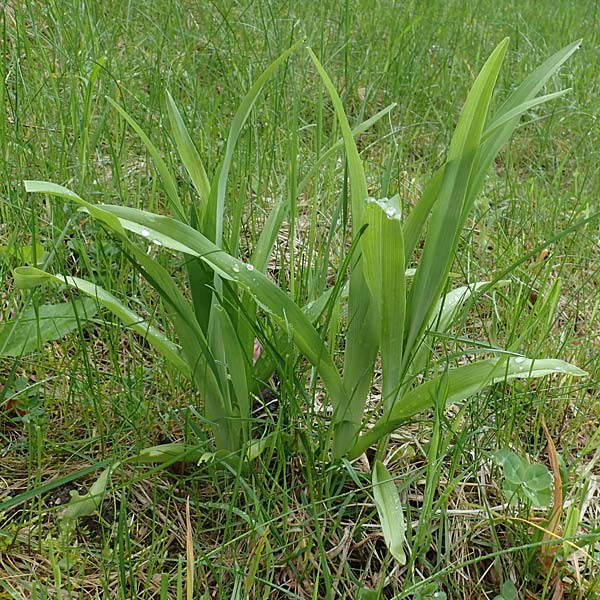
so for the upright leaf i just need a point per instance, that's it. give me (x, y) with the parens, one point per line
(447, 216)
(383, 267)
(213, 228)
(199, 276)
(166, 176)
(362, 341)
(189, 155)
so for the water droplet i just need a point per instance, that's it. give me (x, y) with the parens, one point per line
(145, 232)
(235, 269)
(250, 267)
(157, 242)
(520, 359)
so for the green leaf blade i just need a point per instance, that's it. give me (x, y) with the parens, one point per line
(166, 176)
(448, 216)
(389, 508)
(459, 384)
(49, 322)
(384, 270)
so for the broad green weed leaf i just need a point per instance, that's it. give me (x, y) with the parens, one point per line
(537, 79)
(469, 379)
(538, 497)
(27, 277)
(518, 111)
(53, 189)
(29, 254)
(168, 453)
(537, 477)
(509, 592)
(514, 467)
(414, 225)
(200, 278)
(391, 515)
(233, 358)
(49, 322)
(526, 91)
(88, 504)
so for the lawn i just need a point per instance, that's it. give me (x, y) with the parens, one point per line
(358, 355)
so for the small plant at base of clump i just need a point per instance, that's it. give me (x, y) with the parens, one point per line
(509, 592)
(523, 482)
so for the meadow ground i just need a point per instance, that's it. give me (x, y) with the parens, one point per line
(294, 525)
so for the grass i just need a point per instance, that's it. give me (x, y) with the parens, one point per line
(293, 526)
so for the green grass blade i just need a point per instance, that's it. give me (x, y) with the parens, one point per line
(358, 181)
(213, 228)
(333, 150)
(166, 176)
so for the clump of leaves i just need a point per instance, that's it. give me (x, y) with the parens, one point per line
(394, 313)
